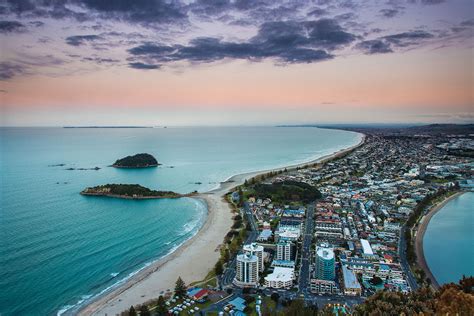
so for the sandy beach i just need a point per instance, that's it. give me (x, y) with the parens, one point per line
(194, 259)
(420, 257)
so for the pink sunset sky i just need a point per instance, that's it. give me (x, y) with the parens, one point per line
(235, 62)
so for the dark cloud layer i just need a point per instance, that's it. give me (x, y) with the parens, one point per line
(11, 27)
(288, 42)
(287, 32)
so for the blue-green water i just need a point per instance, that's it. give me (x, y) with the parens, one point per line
(58, 248)
(448, 243)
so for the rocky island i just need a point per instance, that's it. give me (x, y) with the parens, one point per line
(136, 161)
(129, 191)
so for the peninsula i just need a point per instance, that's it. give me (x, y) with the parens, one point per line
(129, 191)
(136, 161)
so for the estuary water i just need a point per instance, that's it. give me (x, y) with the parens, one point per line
(448, 243)
(58, 248)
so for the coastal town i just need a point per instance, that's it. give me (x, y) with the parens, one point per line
(333, 247)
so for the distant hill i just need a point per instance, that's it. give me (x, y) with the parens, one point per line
(403, 130)
(443, 129)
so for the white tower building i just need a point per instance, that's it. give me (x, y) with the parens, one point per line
(247, 270)
(257, 250)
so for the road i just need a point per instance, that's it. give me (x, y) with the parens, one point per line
(402, 250)
(229, 273)
(304, 275)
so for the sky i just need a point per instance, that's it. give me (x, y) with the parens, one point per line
(235, 62)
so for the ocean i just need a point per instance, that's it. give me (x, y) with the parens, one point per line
(448, 243)
(58, 249)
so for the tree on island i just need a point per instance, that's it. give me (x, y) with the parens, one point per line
(161, 309)
(180, 288)
(218, 268)
(132, 311)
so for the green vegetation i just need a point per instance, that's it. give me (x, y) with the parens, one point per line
(451, 299)
(136, 161)
(144, 311)
(128, 191)
(161, 308)
(286, 192)
(219, 268)
(180, 288)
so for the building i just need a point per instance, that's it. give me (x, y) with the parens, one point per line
(283, 264)
(351, 285)
(235, 197)
(281, 278)
(284, 251)
(323, 286)
(257, 250)
(265, 235)
(366, 248)
(247, 270)
(325, 263)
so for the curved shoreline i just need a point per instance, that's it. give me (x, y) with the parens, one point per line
(420, 256)
(201, 251)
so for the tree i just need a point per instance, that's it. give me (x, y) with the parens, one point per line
(180, 288)
(218, 268)
(226, 255)
(144, 311)
(275, 297)
(376, 280)
(161, 308)
(132, 311)
(297, 308)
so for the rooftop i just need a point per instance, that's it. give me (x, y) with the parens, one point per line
(325, 252)
(281, 274)
(350, 280)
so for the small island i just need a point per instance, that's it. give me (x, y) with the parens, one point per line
(136, 161)
(129, 191)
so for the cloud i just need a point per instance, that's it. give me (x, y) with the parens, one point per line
(408, 38)
(287, 42)
(374, 47)
(317, 12)
(100, 60)
(389, 13)
(138, 65)
(138, 11)
(431, 2)
(11, 27)
(468, 22)
(78, 40)
(133, 11)
(385, 44)
(36, 23)
(8, 70)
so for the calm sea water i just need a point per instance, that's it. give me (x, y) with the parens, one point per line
(448, 242)
(58, 248)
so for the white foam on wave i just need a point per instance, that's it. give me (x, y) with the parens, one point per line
(194, 226)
